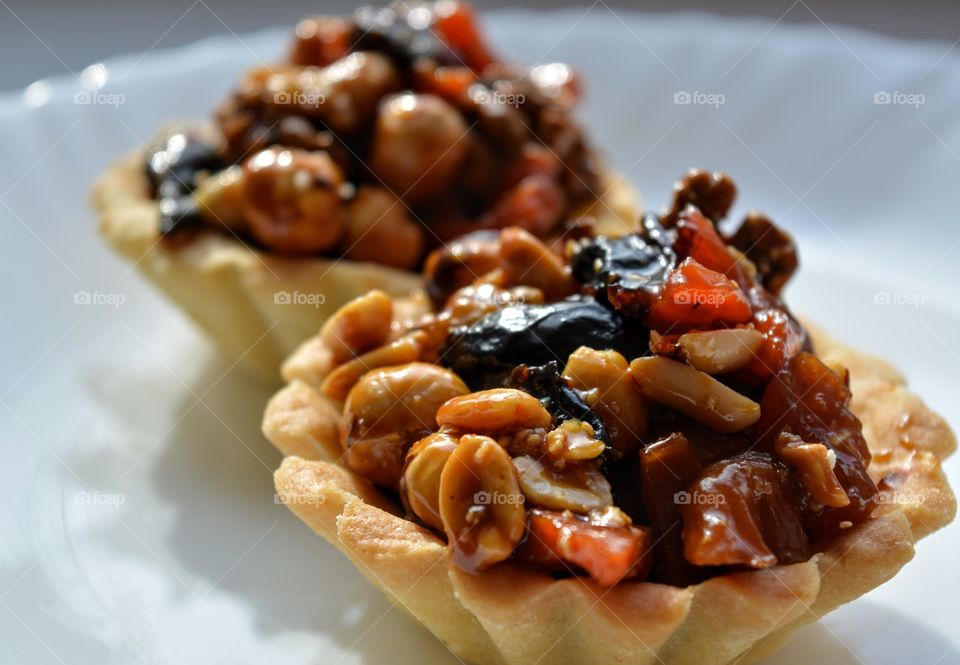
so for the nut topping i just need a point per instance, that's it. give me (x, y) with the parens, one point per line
(480, 504)
(389, 409)
(359, 326)
(814, 463)
(580, 488)
(420, 485)
(492, 411)
(691, 392)
(720, 351)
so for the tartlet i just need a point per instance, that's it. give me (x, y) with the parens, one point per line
(378, 138)
(697, 505)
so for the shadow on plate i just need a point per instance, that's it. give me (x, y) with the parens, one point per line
(875, 634)
(228, 535)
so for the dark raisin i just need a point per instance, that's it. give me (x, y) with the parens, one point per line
(178, 161)
(399, 32)
(628, 270)
(173, 170)
(713, 193)
(557, 396)
(485, 353)
(770, 248)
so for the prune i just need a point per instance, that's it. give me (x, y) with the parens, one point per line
(770, 248)
(403, 33)
(485, 353)
(629, 270)
(558, 397)
(713, 193)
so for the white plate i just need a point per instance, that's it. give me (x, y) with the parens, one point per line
(138, 521)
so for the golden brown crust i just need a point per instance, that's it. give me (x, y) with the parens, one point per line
(514, 615)
(235, 292)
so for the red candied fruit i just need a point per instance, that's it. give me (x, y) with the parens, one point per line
(697, 297)
(607, 553)
(698, 239)
(457, 27)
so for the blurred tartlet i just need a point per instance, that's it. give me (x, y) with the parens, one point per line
(378, 138)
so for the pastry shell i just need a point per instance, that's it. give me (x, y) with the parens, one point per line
(258, 306)
(515, 615)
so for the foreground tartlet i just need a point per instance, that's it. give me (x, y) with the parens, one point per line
(627, 450)
(377, 139)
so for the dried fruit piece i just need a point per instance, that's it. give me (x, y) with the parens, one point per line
(630, 269)
(485, 353)
(769, 248)
(720, 351)
(697, 238)
(713, 193)
(610, 391)
(557, 396)
(811, 401)
(492, 411)
(783, 338)
(814, 463)
(457, 26)
(359, 326)
(389, 409)
(694, 393)
(577, 487)
(420, 485)
(697, 297)
(667, 467)
(607, 553)
(480, 504)
(744, 511)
